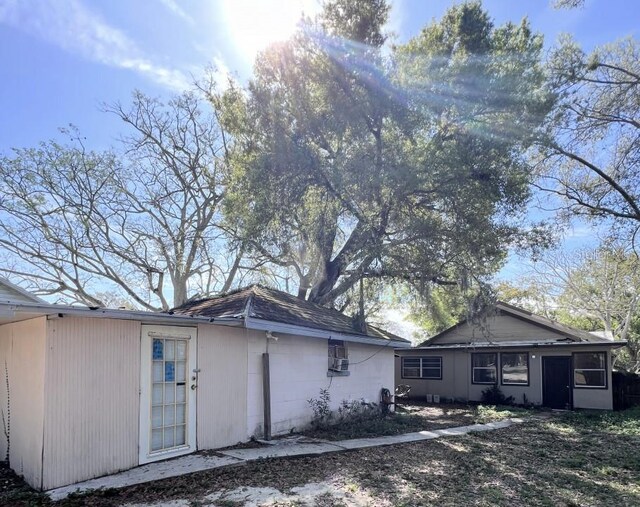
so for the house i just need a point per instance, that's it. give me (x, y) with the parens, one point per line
(529, 357)
(91, 391)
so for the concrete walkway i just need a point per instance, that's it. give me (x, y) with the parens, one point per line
(286, 447)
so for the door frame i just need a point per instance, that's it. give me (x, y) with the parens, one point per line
(145, 455)
(542, 383)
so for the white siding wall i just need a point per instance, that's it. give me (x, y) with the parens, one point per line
(500, 328)
(222, 386)
(299, 371)
(22, 349)
(92, 398)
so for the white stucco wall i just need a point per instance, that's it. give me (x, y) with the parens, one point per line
(298, 368)
(22, 350)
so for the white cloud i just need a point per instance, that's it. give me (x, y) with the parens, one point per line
(75, 28)
(173, 6)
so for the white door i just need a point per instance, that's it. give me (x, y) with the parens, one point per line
(168, 382)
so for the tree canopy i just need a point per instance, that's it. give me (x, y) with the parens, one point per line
(138, 225)
(590, 154)
(356, 161)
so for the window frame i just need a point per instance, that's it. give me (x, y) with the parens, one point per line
(605, 369)
(516, 384)
(473, 381)
(332, 348)
(420, 368)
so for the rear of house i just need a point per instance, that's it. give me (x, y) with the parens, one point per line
(533, 359)
(92, 392)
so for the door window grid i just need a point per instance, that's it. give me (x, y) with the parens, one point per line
(169, 397)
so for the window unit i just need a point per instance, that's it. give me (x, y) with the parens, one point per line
(484, 369)
(338, 358)
(590, 370)
(514, 368)
(428, 367)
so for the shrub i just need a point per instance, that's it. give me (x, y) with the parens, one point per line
(357, 410)
(321, 409)
(494, 396)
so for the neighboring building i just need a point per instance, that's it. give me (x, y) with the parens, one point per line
(529, 357)
(96, 391)
(12, 293)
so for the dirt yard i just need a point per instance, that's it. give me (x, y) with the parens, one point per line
(571, 460)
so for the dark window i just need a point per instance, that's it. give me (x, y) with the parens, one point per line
(515, 368)
(590, 370)
(484, 368)
(422, 367)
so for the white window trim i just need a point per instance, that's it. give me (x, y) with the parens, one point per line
(604, 370)
(421, 367)
(494, 368)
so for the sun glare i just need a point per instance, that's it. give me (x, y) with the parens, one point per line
(254, 24)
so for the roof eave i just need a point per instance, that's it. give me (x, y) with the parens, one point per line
(471, 346)
(279, 327)
(56, 311)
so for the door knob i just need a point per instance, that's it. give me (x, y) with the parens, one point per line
(193, 387)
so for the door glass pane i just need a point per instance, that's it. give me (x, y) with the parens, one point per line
(180, 435)
(180, 394)
(182, 350)
(169, 350)
(157, 371)
(169, 371)
(168, 437)
(169, 393)
(181, 371)
(169, 415)
(156, 440)
(181, 412)
(156, 417)
(156, 397)
(157, 349)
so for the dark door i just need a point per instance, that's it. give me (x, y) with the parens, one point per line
(556, 382)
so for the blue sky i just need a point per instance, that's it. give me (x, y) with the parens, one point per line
(62, 58)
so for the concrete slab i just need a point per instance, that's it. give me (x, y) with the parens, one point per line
(280, 451)
(147, 473)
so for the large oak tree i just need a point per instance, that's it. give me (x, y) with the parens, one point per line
(363, 160)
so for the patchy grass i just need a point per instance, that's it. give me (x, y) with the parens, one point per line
(414, 416)
(489, 413)
(569, 460)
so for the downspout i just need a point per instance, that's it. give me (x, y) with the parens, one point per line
(266, 377)
(266, 392)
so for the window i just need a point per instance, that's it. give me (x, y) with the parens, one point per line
(429, 367)
(590, 370)
(515, 368)
(484, 368)
(338, 356)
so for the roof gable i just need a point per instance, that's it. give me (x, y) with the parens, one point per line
(510, 324)
(272, 305)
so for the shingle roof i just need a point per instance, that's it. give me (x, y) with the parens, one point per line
(276, 306)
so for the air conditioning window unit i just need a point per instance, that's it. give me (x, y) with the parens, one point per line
(339, 364)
